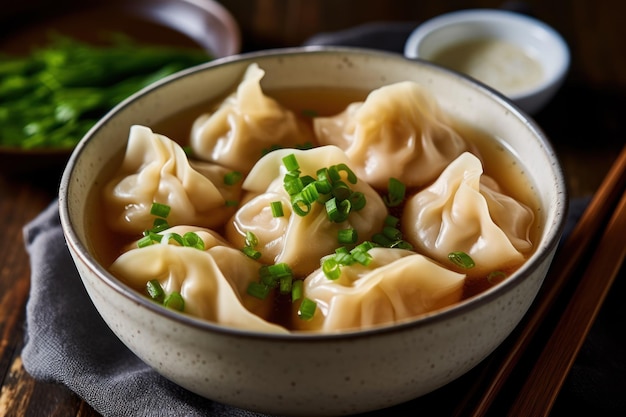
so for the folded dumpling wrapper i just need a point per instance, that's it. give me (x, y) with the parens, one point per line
(396, 286)
(245, 125)
(156, 169)
(399, 131)
(461, 213)
(299, 241)
(213, 281)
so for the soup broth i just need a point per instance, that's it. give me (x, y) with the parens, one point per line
(498, 162)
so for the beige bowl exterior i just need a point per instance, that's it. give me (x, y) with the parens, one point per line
(338, 374)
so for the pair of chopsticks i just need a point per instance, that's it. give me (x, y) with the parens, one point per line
(541, 385)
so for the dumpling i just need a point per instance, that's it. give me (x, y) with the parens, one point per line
(246, 124)
(397, 285)
(459, 213)
(399, 131)
(156, 169)
(299, 241)
(213, 281)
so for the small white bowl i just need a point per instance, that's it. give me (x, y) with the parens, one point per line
(536, 42)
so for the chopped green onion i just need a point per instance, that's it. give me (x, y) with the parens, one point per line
(251, 239)
(145, 241)
(193, 240)
(160, 210)
(277, 209)
(296, 290)
(175, 301)
(232, 203)
(396, 193)
(155, 291)
(291, 163)
(391, 221)
(357, 200)
(392, 233)
(363, 258)
(280, 270)
(307, 309)
(232, 177)
(461, 259)
(382, 240)
(310, 194)
(401, 244)
(250, 252)
(331, 269)
(258, 290)
(347, 236)
(496, 277)
(172, 236)
(336, 169)
(159, 225)
(285, 284)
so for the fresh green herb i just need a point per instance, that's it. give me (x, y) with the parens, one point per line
(51, 98)
(249, 248)
(307, 309)
(277, 209)
(496, 277)
(160, 210)
(174, 301)
(155, 291)
(396, 193)
(258, 290)
(347, 236)
(232, 178)
(461, 259)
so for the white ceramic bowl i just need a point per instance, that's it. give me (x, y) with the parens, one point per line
(334, 373)
(538, 40)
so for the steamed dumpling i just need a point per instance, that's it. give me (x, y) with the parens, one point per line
(212, 281)
(458, 212)
(299, 241)
(397, 285)
(156, 169)
(246, 124)
(399, 131)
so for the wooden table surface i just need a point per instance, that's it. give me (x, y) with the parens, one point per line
(586, 123)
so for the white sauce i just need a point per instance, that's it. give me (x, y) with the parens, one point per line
(497, 63)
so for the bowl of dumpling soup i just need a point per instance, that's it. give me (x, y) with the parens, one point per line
(259, 229)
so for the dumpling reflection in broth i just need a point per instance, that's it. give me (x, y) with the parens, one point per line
(397, 285)
(299, 241)
(399, 131)
(212, 281)
(245, 125)
(156, 169)
(459, 212)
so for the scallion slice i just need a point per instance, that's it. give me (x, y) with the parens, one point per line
(232, 178)
(258, 290)
(331, 269)
(159, 225)
(277, 209)
(250, 252)
(496, 277)
(174, 301)
(160, 210)
(396, 193)
(291, 163)
(193, 240)
(155, 291)
(461, 259)
(347, 236)
(296, 290)
(307, 309)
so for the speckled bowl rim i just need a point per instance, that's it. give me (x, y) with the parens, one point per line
(551, 240)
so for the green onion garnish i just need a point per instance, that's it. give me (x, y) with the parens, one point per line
(461, 259)
(232, 177)
(291, 163)
(192, 240)
(175, 301)
(296, 290)
(331, 268)
(160, 210)
(250, 252)
(391, 221)
(155, 291)
(159, 225)
(396, 193)
(232, 203)
(496, 277)
(251, 239)
(277, 209)
(258, 290)
(307, 309)
(347, 236)
(167, 237)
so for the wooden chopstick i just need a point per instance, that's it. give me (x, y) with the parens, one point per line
(546, 378)
(501, 364)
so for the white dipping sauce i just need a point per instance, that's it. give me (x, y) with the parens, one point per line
(497, 63)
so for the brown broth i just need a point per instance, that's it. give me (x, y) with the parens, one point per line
(498, 163)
